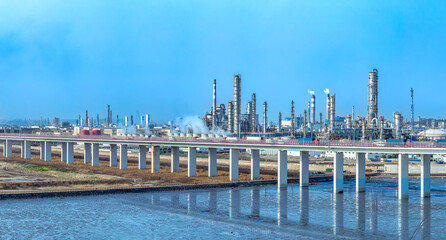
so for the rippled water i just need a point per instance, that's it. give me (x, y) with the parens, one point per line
(239, 213)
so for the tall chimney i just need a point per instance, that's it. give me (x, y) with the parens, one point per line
(237, 100)
(313, 109)
(108, 115)
(279, 129)
(332, 111)
(214, 105)
(86, 118)
(265, 120)
(305, 124)
(411, 109)
(147, 120)
(131, 120)
(126, 121)
(230, 117)
(97, 120)
(328, 107)
(253, 113)
(293, 124)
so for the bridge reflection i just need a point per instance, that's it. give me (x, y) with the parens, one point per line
(295, 211)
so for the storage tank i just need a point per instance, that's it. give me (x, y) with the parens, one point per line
(85, 132)
(96, 132)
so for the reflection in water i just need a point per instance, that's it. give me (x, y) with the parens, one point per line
(255, 202)
(338, 214)
(403, 219)
(282, 208)
(304, 198)
(191, 202)
(234, 203)
(360, 211)
(359, 220)
(212, 200)
(426, 217)
(373, 221)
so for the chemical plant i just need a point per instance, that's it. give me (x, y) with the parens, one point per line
(231, 122)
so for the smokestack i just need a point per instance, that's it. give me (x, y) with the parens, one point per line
(108, 115)
(117, 120)
(142, 120)
(279, 129)
(253, 113)
(309, 113)
(265, 120)
(372, 98)
(111, 117)
(237, 99)
(326, 91)
(147, 120)
(320, 123)
(305, 124)
(313, 109)
(97, 119)
(230, 117)
(80, 121)
(214, 106)
(332, 111)
(249, 117)
(353, 113)
(86, 118)
(131, 120)
(411, 109)
(293, 124)
(126, 120)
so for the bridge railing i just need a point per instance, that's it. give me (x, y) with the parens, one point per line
(288, 142)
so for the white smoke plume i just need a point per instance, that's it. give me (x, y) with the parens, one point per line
(310, 92)
(191, 124)
(194, 124)
(327, 91)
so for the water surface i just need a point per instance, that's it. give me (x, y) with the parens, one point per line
(235, 213)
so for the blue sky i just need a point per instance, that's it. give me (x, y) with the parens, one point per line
(59, 58)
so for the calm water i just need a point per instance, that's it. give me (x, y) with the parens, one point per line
(242, 213)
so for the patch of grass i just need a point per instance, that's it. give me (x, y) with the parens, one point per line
(37, 168)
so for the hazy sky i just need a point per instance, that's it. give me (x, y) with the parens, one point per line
(59, 58)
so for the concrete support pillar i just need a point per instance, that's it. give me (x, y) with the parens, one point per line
(282, 179)
(425, 175)
(95, 154)
(155, 159)
(360, 172)
(27, 149)
(192, 162)
(338, 173)
(113, 155)
(4, 148)
(123, 156)
(22, 149)
(304, 169)
(47, 151)
(233, 164)
(8, 148)
(142, 157)
(70, 153)
(212, 162)
(42, 150)
(255, 164)
(63, 152)
(87, 153)
(403, 176)
(175, 159)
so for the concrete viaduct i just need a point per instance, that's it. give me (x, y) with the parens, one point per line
(91, 155)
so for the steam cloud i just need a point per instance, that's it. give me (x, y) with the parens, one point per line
(194, 124)
(311, 92)
(326, 91)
